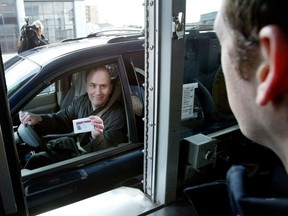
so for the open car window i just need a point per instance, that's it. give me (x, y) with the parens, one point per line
(60, 94)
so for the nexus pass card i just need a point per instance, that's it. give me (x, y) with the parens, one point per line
(82, 125)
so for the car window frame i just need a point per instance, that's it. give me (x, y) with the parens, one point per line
(99, 155)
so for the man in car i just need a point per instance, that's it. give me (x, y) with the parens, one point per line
(109, 129)
(254, 43)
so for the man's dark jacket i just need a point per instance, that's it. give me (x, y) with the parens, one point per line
(114, 123)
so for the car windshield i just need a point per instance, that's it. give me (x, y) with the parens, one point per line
(20, 72)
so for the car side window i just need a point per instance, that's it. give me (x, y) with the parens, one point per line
(113, 114)
(50, 89)
(136, 83)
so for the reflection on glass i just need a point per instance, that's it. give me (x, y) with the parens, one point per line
(205, 107)
(200, 15)
(20, 73)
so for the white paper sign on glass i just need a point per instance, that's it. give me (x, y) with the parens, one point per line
(188, 96)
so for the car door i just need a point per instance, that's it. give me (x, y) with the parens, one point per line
(88, 174)
(11, 189)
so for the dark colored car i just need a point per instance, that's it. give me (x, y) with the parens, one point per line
(46, 79)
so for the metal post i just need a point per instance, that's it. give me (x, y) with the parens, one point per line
(11, 190)
(164, 79)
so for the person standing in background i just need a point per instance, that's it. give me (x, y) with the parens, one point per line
(39, 30)
(31, 36)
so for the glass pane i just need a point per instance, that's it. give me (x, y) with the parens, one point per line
(201, 14)
(204, 100)
(58, 7)
(50, 89)
(15, 80)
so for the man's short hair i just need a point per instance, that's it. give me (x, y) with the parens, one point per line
(249, 16)
(97, 68)
(246, 18)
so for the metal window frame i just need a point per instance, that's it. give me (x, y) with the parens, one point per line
(164, 64)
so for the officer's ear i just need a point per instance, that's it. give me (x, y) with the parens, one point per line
(273, 74)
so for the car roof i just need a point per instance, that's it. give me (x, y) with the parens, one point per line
(48, 52)
(44, 54)
(46, 61)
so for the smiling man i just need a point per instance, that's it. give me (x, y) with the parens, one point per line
(109, 129)
(99, 87)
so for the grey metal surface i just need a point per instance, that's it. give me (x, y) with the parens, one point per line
(164, 78)
(120, 201)
(179, 208)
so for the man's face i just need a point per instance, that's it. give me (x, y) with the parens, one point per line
(38, 30)
(241, 88)
(99, 87)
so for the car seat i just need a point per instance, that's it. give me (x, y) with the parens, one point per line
(77, 89)
(212, 95)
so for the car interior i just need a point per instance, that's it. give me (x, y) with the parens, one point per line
(58, 96)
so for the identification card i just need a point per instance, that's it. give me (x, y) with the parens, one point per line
(82, 125)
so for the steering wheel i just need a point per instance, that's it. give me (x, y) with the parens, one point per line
(29, 136)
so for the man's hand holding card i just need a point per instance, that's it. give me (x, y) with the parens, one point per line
(93, 124)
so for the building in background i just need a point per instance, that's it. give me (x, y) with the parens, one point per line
(56, 16)
(62, 19)
(8, 26)
(92, 18)
(206, 22)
